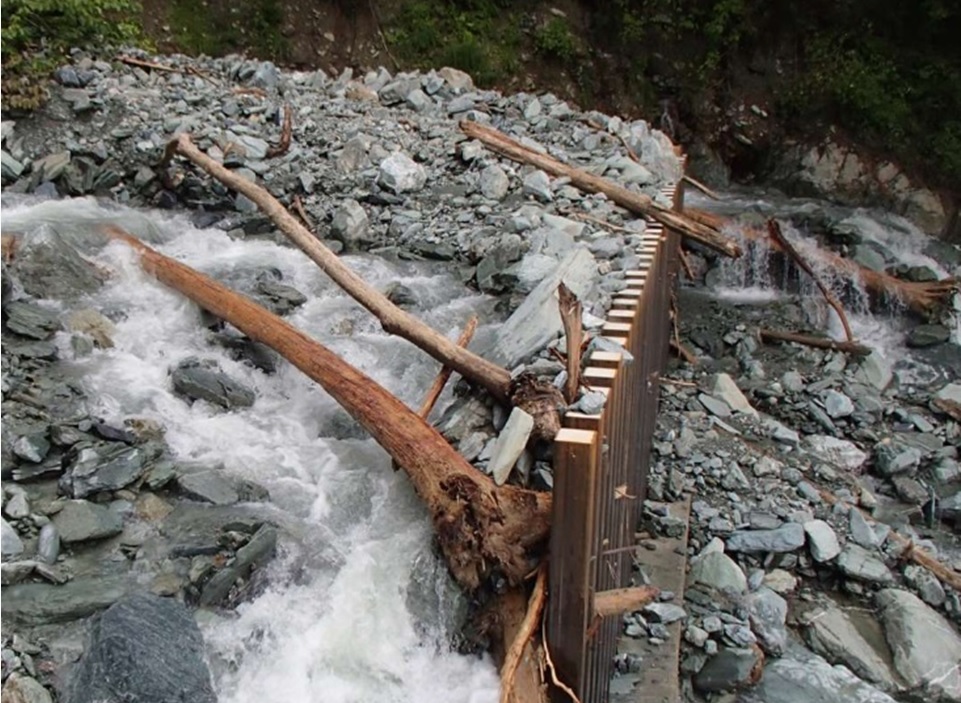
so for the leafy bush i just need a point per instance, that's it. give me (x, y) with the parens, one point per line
(554, 39)
(34, 34)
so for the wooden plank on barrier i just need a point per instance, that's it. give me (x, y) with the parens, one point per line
(665, 565)
(599, 377)
(621, 329)
(606, 359)
(571, 549)
(630, 303)
(615, 315)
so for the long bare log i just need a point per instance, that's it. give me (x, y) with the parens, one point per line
(635, 202)
(480, 526)
(812, 341)
(623, 600)
(393, 319)
(920, 297)
(521, 641)
(774, 229)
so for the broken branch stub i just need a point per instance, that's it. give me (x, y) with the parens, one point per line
(637, 203)
(480, 527)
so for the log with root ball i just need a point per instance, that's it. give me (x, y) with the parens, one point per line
(495, 379)
(480, 527)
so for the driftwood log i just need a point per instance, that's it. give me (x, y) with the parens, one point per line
(921, 298)
(808, 340)
(637, 203)
(479, 526)
(543, 406)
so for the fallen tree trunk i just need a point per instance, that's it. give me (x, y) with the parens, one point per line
(571, 311)
(920, 298)
(811, 341)
(480, 527)
(637, 203)
(393, 319)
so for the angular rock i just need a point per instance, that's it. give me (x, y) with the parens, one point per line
(664, 613)
(802, 677)
(41, 603)
(786, 538)
(260, 547)
(768, 614)
(104, 467)
(24, 689)
(510, 445)
(837, 405)
(724, 387)
(538, 185)
(143, 648)
(893, 457)
(81, 520)
(350, 225)
(50, 267)
(32, 447)
(48, 544)
(875, 371)
(202, 380)
(926, 647)
(822, 540)
(852, 638)
(31, 320)
(861, 532)
(727, 669)
(719, 571)
(10, 543)
(840, 452)
(494, 183)
(857, 562)
(927, 336)
(208, 486)
(401, 174)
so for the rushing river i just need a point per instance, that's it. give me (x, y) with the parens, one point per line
(358, 608)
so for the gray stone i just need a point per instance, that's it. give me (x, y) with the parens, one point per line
(17, 506)
(868, 256)
(719, 571)
(202, 380)
(726, 670)
(494, 183)
(894, 457)
(591, 403)
(802, 677)
(24, 689)
(724, 387)
(10, 168)
(81, 520)
(857, 562)
(537, 320)
(456, 79)
(401, 174)
(48, 544)
(837, 405)
(31, 320)
(265, 76)
(208, 486)
(950, 392)
(104, 467)
(350, 225)
(786, 538)
(32, 447)
(10, 543)
(143, 649)
(861, 531)
(418, 100)
(538, 185)
(715, 406)
(927, 336)
(664, 613)
(822, 540)
(926, 647)
(875, 371)
(50, 167)
(768, 615)
(260, 547)
(40, 603)
(510, 445)
(839, 452)
(277, 297)
(853, 638)
(50, 267)
(792, 382)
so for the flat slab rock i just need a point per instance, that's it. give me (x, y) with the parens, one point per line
(143, 649)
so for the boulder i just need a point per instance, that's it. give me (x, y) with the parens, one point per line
(197, 379)
(143, 649)
(81, 520)
(400, 174)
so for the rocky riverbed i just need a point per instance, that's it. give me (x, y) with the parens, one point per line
(157, 465)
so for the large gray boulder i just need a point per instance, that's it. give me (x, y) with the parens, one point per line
(143, 649)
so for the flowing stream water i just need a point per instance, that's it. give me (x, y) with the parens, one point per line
(358, 608)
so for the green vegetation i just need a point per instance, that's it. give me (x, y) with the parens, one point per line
(35, 35)
(219, 28)
(887, 71)
(481, 37)
(555, 40)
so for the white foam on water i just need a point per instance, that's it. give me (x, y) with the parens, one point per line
(333, 630)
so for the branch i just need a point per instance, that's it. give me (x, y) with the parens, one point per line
(811, 341)
(570, 308)
(623, 600)
(513, 657)
(284, 145)
(701, 187)
(774, 229)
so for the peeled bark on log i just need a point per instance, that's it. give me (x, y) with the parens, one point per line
(393, 319)
(521, 645)
(479, 526)
(623, 600)
(635, 202)
(812, 341)
(285, 134)
(921, 298)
